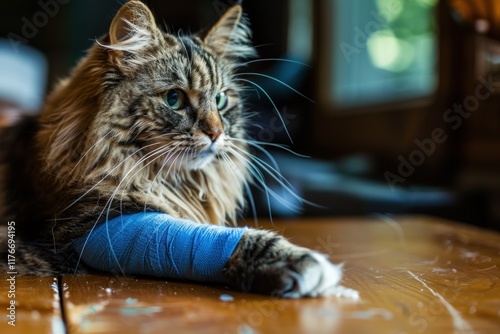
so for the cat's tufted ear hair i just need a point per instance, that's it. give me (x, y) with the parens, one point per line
(133, 30)
(230, 36)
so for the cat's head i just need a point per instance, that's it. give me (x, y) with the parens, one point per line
(169, 95)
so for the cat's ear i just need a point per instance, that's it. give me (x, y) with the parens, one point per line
(230, 36)
(133, 30)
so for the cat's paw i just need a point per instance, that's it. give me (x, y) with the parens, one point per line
(300, 274)
(267, 263)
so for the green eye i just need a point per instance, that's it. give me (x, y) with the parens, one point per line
(175, 99)
(221, 100)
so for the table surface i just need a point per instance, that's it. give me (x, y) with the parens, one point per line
(414, 275)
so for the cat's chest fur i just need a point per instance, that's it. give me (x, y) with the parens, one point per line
(212, 195)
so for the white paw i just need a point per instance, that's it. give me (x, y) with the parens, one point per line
(319, 278)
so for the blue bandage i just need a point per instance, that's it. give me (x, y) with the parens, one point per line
(157, 244)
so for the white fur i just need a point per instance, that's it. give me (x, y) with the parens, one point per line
(321, 280)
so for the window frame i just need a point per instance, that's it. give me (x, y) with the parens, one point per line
(384, 130)
(325, 59)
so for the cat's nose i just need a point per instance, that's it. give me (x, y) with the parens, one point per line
(211, 125)
(213, 134)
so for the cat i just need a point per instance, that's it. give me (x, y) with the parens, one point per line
(147, 121)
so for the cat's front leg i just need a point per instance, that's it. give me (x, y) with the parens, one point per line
(265, 262)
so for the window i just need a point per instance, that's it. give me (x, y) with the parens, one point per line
(300, 30)
(383, 51)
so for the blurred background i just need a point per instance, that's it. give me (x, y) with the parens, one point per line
(395, 102)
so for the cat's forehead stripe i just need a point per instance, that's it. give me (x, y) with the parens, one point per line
(201, 73)
(187, 46)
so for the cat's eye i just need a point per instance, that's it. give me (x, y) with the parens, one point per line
(221, 100)
(175, 99)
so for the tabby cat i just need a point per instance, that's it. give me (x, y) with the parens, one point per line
(151, 121)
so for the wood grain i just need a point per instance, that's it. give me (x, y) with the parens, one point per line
(414, 275)
(37, 305)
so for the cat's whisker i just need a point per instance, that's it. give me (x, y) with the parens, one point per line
(183, 155)
(248, 191)
(158, 153)
(272, 102)
(253, 169)
(227, 159)
(164, 136)
(263, 45)
(248, 89)
(272, 171)
(258, 145)
(142, 159)
(110, 173)
(263, 150)
(258, 178)
(103, 152)
(276, 170)
(279, 81)
(233, 166)
(105, 137)
(146, 201)
(277, 59)
(153, 155)
(165, 162)
(259, 164)
(176, 163)
(107, 208)
(174, 157)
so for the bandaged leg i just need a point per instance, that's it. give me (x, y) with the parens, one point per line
(157, 244)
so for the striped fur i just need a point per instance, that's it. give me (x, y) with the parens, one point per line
(147, 153)
(106, 142)
(110, 142)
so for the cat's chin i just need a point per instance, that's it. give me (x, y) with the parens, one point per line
(200, 161)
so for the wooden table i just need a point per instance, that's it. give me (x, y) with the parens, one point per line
(414, 275)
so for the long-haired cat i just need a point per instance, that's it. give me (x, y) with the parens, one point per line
(150, 121)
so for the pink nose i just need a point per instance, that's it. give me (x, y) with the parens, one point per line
(213, 134)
